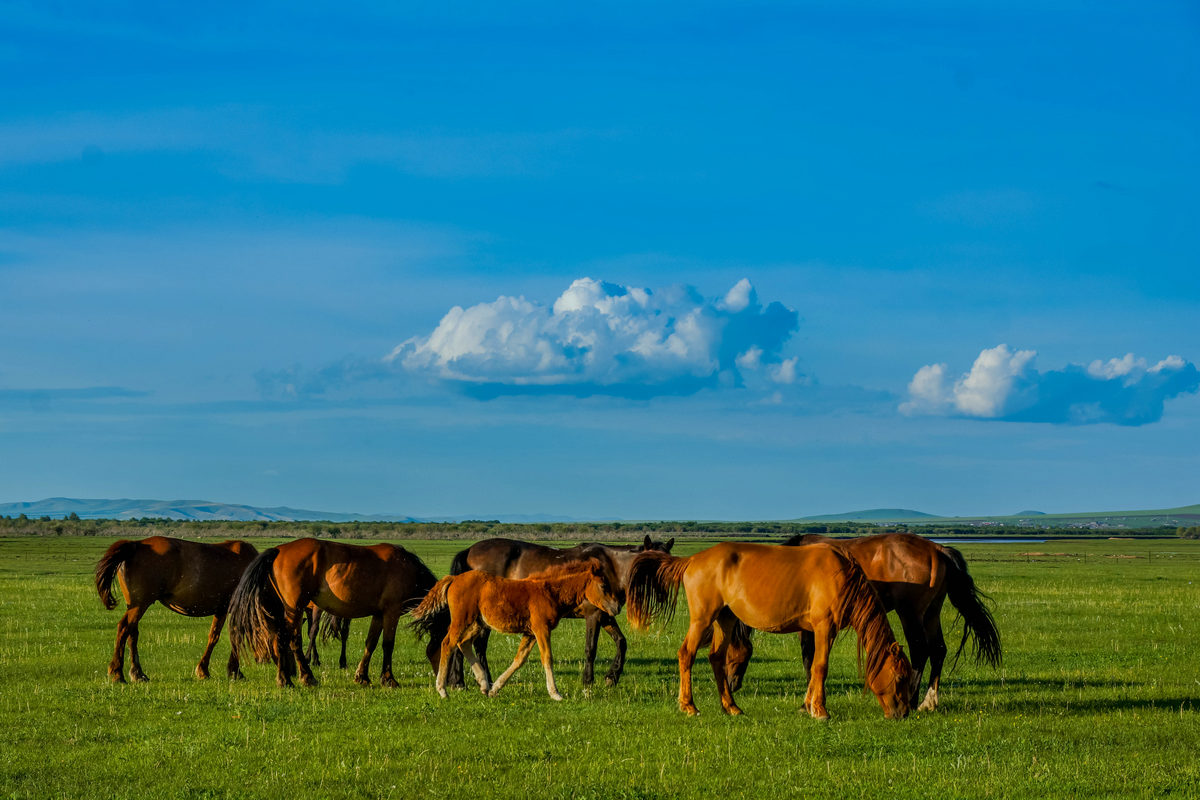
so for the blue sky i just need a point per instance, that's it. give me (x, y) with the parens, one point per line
(704, 260)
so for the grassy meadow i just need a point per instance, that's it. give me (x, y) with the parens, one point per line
(1097, 697)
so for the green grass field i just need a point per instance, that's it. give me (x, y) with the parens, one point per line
(1097, 698)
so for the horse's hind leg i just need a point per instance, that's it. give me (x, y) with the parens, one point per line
(214, 635)
(591, 635)
(687, 657)
(523, 650)
(313, 624)
(126, 630)
(722, 632)
(362, 675)
(481, 647)
(297, 647)
(936, 643)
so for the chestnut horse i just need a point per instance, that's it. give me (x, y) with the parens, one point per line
(479, 601)
(780, 590)
(380, 581)
(509, 558)
(913, 577)
(190, 578)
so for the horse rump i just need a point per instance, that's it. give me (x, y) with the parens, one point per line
(106, 569)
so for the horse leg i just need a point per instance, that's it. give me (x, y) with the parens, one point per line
(918, 650)
(542, 632)
(523, 649)
(306, 674)
(937, 656)
(449, 644)
(390, 620)
(234, 668)
(717, 655)
(344, 633)
(618, 663)
(126, 630)
(687, 657)
(481, 646)
(808, 646)
(135, 661)
(214, 634)
(814, 698)
(591, 634)
(314, 628)
(362, 675)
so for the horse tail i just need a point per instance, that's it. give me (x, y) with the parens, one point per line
(106, 569)
(654, 581)
(860, 608)
(256, 612)
(432, 613)
(459, 565)
(331, 626)
(968, 600)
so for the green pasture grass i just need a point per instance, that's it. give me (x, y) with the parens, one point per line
(1097, 698)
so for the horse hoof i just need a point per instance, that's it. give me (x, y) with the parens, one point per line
(733, 711)
(362, 680)
(237, 676)
(691, 711)
(201, 674)
(141, 677)
(389, 682)
(556, 697)
(610, 681)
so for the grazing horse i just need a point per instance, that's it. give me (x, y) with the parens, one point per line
(189, 578)
(380, 581)
(780, 590)
(478, 601)
(509, 558)
(913, 577)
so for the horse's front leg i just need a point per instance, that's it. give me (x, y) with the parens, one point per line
(523, 649)
(362, 675)
(618, 663)
(390, 621)
(717, 659)
(542, 632)
(591, 635)
(814, 697)
(936, 644)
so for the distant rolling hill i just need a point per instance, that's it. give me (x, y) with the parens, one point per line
(873, 515)
(178, 509)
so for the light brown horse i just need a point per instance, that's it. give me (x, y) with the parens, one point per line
(779, 590)
(479, 601)
(511, 558)
(190, 578)
(380, 581)
(913, 577)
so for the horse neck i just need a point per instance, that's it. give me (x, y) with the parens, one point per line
(568, 591)
(863, 611)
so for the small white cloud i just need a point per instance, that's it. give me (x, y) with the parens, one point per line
(785, 373)
(1004, 385)
(740, 297)
(751, 359)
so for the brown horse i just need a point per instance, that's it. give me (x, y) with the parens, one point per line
(478, 602)
(913, 577)
(509, 558)
(732, 585)
(380, 581)
(189, 578)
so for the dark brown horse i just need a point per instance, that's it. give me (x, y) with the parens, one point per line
(189, 578)
(380, 581)
(913, 577)
(509, 558)
(479, 602)
(780, 590)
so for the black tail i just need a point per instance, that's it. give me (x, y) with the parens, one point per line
(256, 613)
(106, 569)
(459, 565)
(978, 623)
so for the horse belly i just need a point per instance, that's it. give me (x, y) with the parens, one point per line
(771, 605)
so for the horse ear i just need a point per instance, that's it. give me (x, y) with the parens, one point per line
(646, 542)
(670, 543)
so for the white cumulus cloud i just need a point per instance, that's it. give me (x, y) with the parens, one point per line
(604, 338)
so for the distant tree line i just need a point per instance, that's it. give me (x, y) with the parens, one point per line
(72, 525)
(1192, 532)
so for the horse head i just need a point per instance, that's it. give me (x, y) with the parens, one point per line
(651, 544)
(893, 683)
(602, 591)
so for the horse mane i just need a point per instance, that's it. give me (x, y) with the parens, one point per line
(568, 568)
(654, 581)
(860, 608)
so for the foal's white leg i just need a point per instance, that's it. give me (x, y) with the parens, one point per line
(481, 676)
(522, 653)
(543, 641)
(931, 700)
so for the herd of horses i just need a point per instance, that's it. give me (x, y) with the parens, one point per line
(811, 585)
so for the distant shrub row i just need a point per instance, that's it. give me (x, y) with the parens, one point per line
(72, 525)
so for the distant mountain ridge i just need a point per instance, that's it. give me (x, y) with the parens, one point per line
(873, 515)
